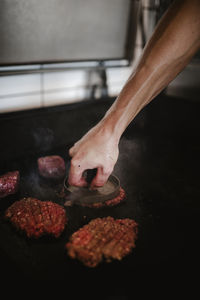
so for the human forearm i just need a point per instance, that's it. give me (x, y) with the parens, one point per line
(174, 42)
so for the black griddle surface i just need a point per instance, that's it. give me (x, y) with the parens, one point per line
(158, 167)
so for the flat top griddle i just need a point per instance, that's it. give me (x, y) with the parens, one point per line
(158, 167)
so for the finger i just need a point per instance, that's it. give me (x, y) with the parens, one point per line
(101, 177)
(71, 151)
(76, 180)
(75, 176)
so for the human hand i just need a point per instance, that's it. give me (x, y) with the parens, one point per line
(96, 149)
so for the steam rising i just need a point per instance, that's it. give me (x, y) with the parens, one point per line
(43, 138)
(129, 161)
(40, 188)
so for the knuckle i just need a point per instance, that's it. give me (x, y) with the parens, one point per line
(99, 184)
(106, 174)
(75, 162)
(70, 181)
(107, 170)
(71, 151)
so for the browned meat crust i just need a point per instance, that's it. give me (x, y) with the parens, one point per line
(37, 218)
(51, 167)
(103, 238)
(111, 202)
(9, 183)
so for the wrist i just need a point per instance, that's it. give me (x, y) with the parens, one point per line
(111, 127)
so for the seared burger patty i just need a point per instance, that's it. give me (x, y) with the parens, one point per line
(103, 238)
(9, 183)
(52, 167)
(111, 202)
(37, 218)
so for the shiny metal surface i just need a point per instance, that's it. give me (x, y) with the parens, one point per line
(85, 195)
(37, 31)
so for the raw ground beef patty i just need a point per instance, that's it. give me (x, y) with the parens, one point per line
(51, 167)
(37, 218)
(9, 183)
(107, 238)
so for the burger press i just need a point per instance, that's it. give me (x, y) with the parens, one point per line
(86, 195)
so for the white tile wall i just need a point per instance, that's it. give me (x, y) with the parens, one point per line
(116, 78)
(64, 79)
(64, 87)
(60, 97)
(19, 92)
(19, 84)
(15, 103)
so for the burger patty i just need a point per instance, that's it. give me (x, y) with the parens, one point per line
(107, 203)
(111, 202)
(9, 183)
(106, 238)
(51, 167)
(37, 218)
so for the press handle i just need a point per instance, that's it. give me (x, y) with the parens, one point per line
(89, 175)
